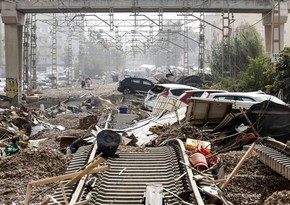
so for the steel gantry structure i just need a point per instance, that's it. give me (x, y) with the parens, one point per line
(138, 30)
(13, 16)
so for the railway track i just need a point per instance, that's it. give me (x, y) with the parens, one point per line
(79, 160)
(276, 155)
(132, 173)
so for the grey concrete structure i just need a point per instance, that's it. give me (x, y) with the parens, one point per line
(13, 16)
(2, 46)
(14, 22)
(269, 21)
(53, 6)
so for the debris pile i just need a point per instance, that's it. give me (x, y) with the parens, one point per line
(280, 197)
(254, 182)
(214, 142)
(34, 139)
(28, 164)
(31, 144)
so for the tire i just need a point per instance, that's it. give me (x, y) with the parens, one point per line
(127, 91)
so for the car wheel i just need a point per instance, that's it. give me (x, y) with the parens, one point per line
(127, 91)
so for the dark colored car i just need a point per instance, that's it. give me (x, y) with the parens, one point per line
(133, 85)
(192, 80)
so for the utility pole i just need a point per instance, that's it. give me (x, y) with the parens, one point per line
(26, 35)
(111, 19)
(81, 46)
(70, 55)
(54, 79)
(226, 57)
(168, 63)
(160, 15)
(185, 41)
(201, 46)
(33, 50)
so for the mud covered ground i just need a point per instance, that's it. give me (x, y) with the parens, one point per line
(255, 183)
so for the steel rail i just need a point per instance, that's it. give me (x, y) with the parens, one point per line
(129, 175)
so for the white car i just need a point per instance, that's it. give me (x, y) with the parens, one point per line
(245, 99)
(167, 90)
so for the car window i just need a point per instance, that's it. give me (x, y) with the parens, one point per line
(145, 82)
(197, 94)
(238, 98)
(138, 81)
(224, 97)
(178, 92)
(158, 89)
(247, 99)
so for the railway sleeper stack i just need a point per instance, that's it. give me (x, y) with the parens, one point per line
(131, 173)
(276, 160)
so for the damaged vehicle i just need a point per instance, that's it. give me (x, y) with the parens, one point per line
(192, 80)
(197, 93)
(166, 90)
(133, 85)
(245, 99)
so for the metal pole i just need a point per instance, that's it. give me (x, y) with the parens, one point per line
(201, 46)
(33, 50)
(26, 70)
(69, 53)
(54, 82)
(185, 50)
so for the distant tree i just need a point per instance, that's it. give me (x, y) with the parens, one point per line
(246, 42)
(94, 65)
(95, 60)
(229, 84)
(282, 74)
(169, 45)
(258, 75)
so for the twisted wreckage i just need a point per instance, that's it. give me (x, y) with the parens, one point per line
(177, 155)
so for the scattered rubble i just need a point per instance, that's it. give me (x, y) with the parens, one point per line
(37, 139)
(279, 197)
(27, 165)
(255, 181)
(126, 148)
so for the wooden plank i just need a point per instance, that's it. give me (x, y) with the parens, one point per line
(126, 140)
(85, 171)
(207, 112)
(189, 110)
(46, 201)
(63, 193)
(193, 184)
(75, 197)
(250, 123)
(66, 176)
(238, 166)
(28, 194)
(82, 202)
